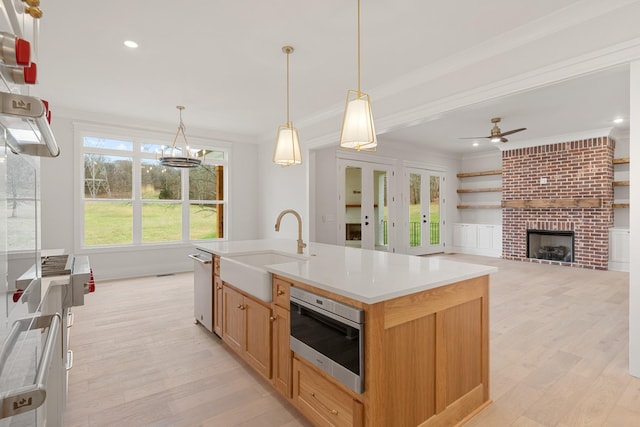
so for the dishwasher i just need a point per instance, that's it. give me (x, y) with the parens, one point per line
(203, 288)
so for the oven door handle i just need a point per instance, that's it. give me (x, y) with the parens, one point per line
(196, 258)
(27, 398)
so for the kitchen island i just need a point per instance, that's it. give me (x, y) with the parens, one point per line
(425, 336)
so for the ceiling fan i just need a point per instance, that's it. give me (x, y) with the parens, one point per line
(496, 134)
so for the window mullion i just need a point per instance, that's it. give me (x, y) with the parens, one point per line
(136, 202)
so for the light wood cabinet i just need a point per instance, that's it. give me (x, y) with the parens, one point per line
(281, 355)
(322, 401)
(281, 351)
(246, 328)
(426, 355)
(217, 305)
(233, 319)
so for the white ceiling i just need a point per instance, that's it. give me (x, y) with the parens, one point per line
(223, 61)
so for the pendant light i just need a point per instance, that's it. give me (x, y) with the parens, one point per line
(358, 132)
(287, 150)
(169, 156)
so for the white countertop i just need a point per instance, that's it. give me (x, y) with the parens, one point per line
(363, 275)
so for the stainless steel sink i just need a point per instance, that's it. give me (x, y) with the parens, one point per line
(247, 271)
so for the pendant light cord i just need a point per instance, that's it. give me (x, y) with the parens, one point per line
(288, 53)
(358, 47)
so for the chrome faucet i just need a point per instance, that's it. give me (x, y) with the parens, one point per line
(301, 244)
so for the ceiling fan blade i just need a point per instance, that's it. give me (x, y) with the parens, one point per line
(476, 137)
(503, 139)
(509, 132)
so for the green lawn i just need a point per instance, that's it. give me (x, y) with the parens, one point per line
(110, 223)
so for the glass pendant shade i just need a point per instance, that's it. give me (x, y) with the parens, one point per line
(358, 132)
(287, 151)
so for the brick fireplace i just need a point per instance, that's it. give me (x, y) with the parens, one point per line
(564, 187)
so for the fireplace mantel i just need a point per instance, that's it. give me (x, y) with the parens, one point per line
(553, 203)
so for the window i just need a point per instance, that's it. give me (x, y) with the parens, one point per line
(128, 198)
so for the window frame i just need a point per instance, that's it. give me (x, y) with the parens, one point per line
(139, 137)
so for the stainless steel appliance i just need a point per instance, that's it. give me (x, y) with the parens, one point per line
(34, 311)
(37, 368)
(330, 335)
(203, 288)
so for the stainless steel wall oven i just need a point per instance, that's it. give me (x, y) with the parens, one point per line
(330, 335)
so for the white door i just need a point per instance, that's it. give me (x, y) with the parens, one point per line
(364, 206)
(423, 211)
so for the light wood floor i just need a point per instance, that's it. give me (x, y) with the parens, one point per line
(559, 356)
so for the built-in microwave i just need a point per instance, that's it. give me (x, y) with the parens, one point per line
(330, 335)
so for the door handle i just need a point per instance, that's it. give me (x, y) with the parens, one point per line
(13, 402)
(196, 258)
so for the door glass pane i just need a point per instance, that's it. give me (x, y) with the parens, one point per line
(353, 206)
(415, 209)
(380, 210)
(434, 210)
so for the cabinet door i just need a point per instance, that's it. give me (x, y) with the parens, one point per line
(281, 350)
(233, 319)
(258, 336)
(485, 236)
(217, 306)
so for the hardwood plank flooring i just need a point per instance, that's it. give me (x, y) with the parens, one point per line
(559, 356)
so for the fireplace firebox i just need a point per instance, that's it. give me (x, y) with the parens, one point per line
(552, 245)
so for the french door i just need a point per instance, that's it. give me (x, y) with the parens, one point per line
(364, 208)
(423, 211)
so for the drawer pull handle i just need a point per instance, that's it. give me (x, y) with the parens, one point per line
(280, 292)
(273, 319)
(332, 411)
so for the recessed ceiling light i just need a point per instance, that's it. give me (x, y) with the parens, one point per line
(618, 120)
(131, 44)
(475, 144)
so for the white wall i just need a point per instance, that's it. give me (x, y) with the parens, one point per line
(282, 188)
(58, 211)
(325, 184)
(634, 236)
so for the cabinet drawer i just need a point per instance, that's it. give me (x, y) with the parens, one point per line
(281, 292)
(323, 402)
(216, 265)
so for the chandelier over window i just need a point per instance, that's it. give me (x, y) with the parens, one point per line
(287, 150)
(358, 132)
(179, 157)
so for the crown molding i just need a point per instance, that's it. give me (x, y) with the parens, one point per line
(556, 139)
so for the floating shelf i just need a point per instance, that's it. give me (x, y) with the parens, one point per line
(620, 205)
(479, 190)
(620, 183)
(621, 161)
(553, 203)
(482, 173)
(479, 207)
